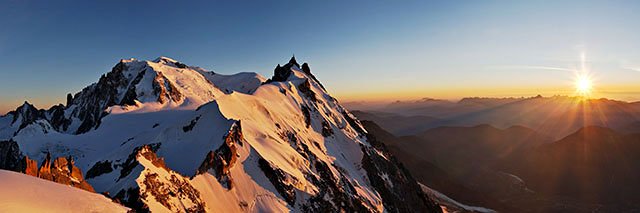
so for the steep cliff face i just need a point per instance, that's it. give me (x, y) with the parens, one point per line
(164, 190)
(61, 170)
(220, 161)
(164, 136)
(10, 156)
(129, 83)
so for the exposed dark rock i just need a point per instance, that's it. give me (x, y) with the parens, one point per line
(307, 115)
(69, 99)
(27, 114)
(93, 100)
(399, 191)
(305, 68)
(131, 198)
(301, 148)
(86, 125)
(222, 159)
(341, 193)
(57, 118)
(305, 88)
(131, 161)
(99, 168)
(130, 96)
(289, 137)
(293, 61)
(282, 73)
(10, 156)
(180, 65)
(280, 180)
(189, 127)
(165, 90)
(353, 123)
(326, 129)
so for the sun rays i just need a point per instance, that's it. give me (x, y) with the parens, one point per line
(583, 85)
(583, 81)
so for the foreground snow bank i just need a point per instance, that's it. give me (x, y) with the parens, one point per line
(24, 193)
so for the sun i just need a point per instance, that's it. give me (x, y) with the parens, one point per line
(583, 85)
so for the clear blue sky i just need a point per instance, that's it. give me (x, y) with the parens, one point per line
(358, 49)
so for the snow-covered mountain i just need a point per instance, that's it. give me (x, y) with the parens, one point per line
(164, 136)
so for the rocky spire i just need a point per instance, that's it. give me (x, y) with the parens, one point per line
(62, 170)
(305, 68)
(281, 73)
(293, 61)
(69, 99)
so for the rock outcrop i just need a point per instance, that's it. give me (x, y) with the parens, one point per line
(159, 184)
(165, 90)
(223, 158)
(62, 170)
(282, 73)
(30, 167)
(10, 156)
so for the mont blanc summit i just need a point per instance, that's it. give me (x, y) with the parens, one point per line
(163, 136)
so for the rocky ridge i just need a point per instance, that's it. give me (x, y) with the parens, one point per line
(282, 144)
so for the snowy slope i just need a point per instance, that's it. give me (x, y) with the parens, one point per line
(23, 193)
(451, 205)
(244, 82)
(228, 143)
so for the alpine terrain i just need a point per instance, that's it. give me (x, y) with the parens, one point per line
(163, 136)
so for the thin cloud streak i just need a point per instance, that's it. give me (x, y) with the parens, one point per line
(626, 65)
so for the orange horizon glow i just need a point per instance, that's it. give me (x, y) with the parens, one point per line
(629, 93)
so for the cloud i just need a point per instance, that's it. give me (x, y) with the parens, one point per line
(632, 68)
(624, 64)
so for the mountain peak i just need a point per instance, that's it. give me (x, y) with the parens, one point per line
(169, 61)
(293, 61)
(174, 134)
(27, 104)
(164, 59)
(25, 108)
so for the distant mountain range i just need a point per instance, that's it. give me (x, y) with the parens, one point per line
(555, 117)
(520, 170)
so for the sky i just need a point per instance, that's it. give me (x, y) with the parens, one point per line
(360, 50)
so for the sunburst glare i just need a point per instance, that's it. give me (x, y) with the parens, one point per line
(584, 85)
